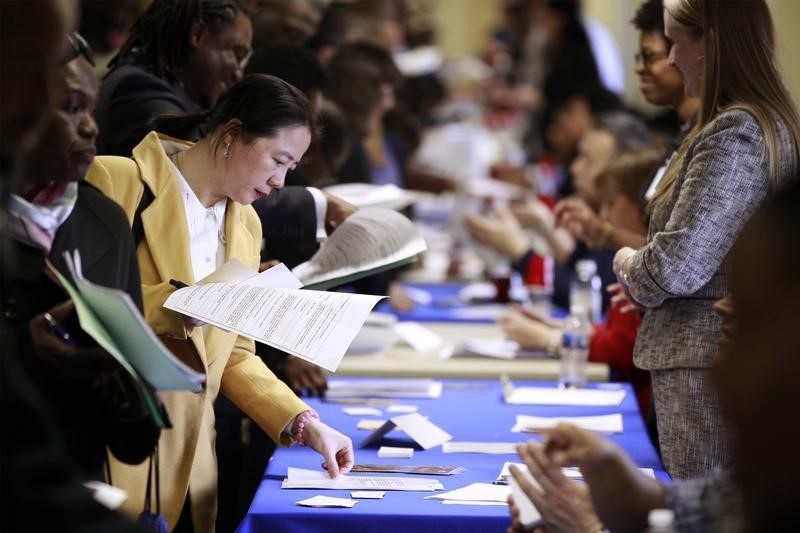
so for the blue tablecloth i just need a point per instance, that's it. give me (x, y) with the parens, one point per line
(470, 410)
(446, 306)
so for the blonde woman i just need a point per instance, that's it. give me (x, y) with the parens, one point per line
(744, 144)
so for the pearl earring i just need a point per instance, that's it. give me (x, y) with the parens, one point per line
(227, 152)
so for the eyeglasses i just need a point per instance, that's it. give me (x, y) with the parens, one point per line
(648, 58)
(76, 47)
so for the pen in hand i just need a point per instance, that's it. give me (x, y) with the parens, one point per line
(177, 284)
(59, 330)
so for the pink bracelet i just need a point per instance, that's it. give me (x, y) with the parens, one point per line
(300, 424)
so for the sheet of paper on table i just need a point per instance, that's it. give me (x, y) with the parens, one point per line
(603, 423)
(268, 307)
(300, 478)
(384, 388)
(498, 448)
(475, 492)
(421, 430)
(570, 472)
(326, 501)
(554, 396)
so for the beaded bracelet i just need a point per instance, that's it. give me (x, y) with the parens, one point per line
(300, 424)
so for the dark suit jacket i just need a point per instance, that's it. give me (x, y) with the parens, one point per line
(99, 229)
(129, 98)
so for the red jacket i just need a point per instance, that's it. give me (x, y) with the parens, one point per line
(612, 343)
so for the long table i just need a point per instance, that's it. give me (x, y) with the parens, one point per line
(470, 410)
(402, 360)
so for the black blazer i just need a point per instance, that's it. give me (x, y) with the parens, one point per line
(129, 98)
(99, 229)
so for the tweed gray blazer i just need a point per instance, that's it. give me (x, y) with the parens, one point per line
(685, 265)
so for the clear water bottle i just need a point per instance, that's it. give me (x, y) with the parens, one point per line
(661, 521)
(585, 295)
(575, 350)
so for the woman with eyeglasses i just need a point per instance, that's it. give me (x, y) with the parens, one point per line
(745, 143)
(53, 211)
(198, 217)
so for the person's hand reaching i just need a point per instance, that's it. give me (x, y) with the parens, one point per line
(336, 449)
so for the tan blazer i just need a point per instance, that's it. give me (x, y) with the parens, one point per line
(188, 460)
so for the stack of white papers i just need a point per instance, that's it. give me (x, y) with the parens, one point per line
(299, 478)
(604, 423)
(552, 396)
(496, 348)
(475, 494)
(384, 388)
(481, 447)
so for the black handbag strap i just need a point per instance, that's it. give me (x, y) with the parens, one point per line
(153, 470)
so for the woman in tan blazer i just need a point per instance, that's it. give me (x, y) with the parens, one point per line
(258, 130)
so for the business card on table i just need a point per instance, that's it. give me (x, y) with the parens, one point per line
(368, 494)
(362, 411)
(394, 452)
(410, 469)
(370, 425)
(400, 408)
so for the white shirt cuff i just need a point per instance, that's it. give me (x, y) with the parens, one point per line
(321, 206)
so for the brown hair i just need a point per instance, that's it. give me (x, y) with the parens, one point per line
(740, 72)
(629, 173)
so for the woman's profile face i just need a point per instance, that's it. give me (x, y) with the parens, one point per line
(687, 54)
(595, 151)
(253, 169)
(660, 83)
(67, 147)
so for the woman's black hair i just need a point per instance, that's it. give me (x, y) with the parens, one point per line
(650, 17)
(263, 104)
(290, 62)
(159, 40)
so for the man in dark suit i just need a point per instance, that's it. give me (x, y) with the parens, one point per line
(40, 487)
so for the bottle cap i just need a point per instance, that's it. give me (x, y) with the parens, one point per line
(586, 268)
(661, 518)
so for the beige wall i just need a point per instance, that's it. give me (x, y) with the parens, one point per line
(464, 24)
(786, 14)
